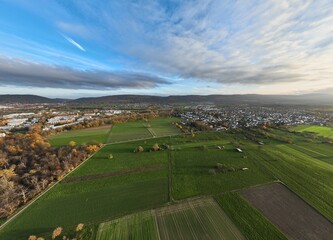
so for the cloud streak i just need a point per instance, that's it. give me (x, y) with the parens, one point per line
(17, 72)
(71, 41)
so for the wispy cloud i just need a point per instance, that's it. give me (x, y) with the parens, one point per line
(70, 40)
(247, 46)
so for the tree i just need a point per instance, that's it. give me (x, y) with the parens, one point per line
(56, 232)
(8, 197)
(3, 159)
(139, 149)
(72, 144)
(156, 147)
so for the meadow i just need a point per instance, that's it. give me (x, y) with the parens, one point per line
(192, 164)
(119, 132)
(118, 182)
(87, 135)
(319, 130)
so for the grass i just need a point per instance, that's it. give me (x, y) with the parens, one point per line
(119, 132)
(304, 166)
(191, 167)
(81, 136)
(199, 219)
(137, 226)
(319, 130)
(97, 200)
(251, 222)
(301, 169)
(128, 131)
(163, 126)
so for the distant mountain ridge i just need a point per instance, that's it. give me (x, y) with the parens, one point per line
(25, 98)
(310, 99)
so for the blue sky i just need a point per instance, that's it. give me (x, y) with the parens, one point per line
(93, 48)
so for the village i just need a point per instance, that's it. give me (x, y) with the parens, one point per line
(214, 118)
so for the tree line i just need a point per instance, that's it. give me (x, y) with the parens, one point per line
(28, 165)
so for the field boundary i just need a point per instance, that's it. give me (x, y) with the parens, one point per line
(44, 192)
(139, 139)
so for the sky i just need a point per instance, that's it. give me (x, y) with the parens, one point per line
(84, 48)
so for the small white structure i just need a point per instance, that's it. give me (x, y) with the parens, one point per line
(239, 150)
(2, 135)
(245, 168)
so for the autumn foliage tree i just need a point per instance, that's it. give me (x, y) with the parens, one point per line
(28, 164)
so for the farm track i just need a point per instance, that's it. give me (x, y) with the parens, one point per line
(139, 139)
(113, 174)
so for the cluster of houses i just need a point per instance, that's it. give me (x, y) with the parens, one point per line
(236, 117)
(54, 121)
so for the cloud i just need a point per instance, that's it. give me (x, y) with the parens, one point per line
(73, 28)
(74, 43)
(230, 42)
(17, 72)
(258, 46)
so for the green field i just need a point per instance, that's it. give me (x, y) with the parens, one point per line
(120, 132)
(191, 167)
(137, 226)
(81, 136)
(250, 221)
(96, 197)
(198, 219)
(106, 189)
(160, 127)
(319, 130)
(305, 168)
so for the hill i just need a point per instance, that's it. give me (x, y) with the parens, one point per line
(29, 99)
(307, 99)
(219, 99)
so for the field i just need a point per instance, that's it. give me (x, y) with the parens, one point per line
(295, 218)
(195, 219)
(81, 136)
(160, 127)
(137, 226)
(99, 198)
(319, 130)
(134, 130)
(143, 129)
(191, 166)
(306, 174)
(198, 219)
(250, 221)
(122, 188)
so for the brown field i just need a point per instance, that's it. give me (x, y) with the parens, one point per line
(294, 217)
